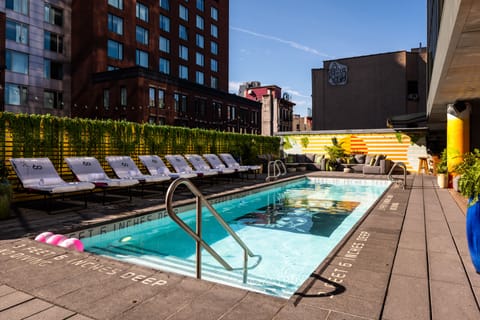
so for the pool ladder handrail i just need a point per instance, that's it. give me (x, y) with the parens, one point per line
(404, 167)
(197, 236)
(275, 165)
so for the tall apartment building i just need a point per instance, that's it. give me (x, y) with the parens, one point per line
(35, 73)
(157, 61)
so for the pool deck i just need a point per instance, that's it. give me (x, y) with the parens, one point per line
(408, 259)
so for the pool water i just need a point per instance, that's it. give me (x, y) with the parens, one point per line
(290, 228)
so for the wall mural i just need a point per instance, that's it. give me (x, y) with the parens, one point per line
(337, 74)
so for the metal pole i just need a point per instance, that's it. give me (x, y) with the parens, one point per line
(198, 246)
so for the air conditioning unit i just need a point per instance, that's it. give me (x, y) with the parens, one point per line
(412, 97)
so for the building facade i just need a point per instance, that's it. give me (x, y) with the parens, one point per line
(363, 92)
(302, 123)
(277, 109)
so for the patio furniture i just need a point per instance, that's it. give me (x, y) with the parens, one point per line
(233, 164)
(38, 175)
(199, 164)
(156, 166)
(216, 163)
(180, 164)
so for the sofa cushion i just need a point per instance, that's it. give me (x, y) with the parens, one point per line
(310, 157)
(360, 158)
(368, 159)
(378, 159)
(300, 158)
(319, 158)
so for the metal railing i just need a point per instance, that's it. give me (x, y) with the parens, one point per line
(398, 180)
(275, 169)
(197, 235)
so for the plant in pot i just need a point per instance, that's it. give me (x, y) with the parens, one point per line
(5, 192)
(442, 170)
(469, 187)
(335, 153)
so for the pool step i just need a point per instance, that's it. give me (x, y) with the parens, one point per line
(130, 253)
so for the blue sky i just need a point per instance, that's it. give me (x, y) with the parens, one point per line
(280, 42)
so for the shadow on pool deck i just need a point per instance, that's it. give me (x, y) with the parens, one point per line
(407, 259)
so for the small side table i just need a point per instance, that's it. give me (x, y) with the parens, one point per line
(422, 164)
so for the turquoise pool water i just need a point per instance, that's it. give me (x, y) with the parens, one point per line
(291, 228)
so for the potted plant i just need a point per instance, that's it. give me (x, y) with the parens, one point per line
(335, 153)
(5, 192)
(469, 187)
(442, 170)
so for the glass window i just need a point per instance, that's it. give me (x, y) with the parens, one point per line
(161, 99)
(214, 31)
(116, 3)
(123, 96)
(201, 5)
(214, 82)
(164, 44)
(164, 23)
(180, 102)
(183, 12)
(15, 94)
(20, 6)
(199, 40)
(200, 22)
(214, 65)
(165, 4)
(183, 72)
(200, 107)
(17, 32)
(141, 58)
(141, 34)
(199, 59)
(183, 52)
(53, 42)
(214, 47)
(52, 69)
(142, 12)
(199, 77)
(164, 66)
(52, 99)
(112, 68)
(106, 98)
(53, 15)
(182, 32)
(115, 50)
(214, 13)
(151, 97)
(115, 24)
(17, 61)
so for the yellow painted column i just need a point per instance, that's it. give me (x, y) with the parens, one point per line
(458, 133)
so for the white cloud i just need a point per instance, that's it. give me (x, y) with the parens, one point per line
(296, 93)
(292, 44)
(233, 86)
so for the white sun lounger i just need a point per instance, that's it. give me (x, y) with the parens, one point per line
(216, 163)
(38, 175)
(180, 165)
(156, 166)
(232, 163)
(125, 168)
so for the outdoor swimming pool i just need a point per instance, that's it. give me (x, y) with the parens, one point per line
(291, 228)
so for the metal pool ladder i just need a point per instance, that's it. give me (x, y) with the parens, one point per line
(197, 235)
(396, 180)
(275, 169)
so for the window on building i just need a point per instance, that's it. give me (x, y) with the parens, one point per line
(53, 15)
(52, 69)
(141, 34)
(161, 98)
(123, 96)
(200, 107)
(112, 68)
(115, 50)
(116, 3)
(142, 12)
(214, 82)
(141, 58)
(180, 102)
(16, 61)
(183, 12)
(15, 94)
(20, 6)
(214, 31)
(161, 121)
(199, 77)
(217, 110)
(200, 41)
(214, 65)
(16, 31)
(214, 13)
(52, 99)
(199, 59)
(199, 22)
(183, 72)
(164, 23)
(214, 47)
(183, 32)
(201, 5)
(183, 52)
(53, 42)
(165, 4)
(164, 44)
(115, 24)
(151, 97)
(106, 98)
(164, 66)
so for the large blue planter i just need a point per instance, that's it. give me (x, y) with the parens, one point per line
(473, 234)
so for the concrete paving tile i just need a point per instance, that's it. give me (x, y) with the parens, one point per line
(437, 227)
(411, 263)
(412, 240)
(438, 242)
(414, 224)
(379, 259)
(301, 312)
(79, 317)
(344, 316)
(25, 309)
(255, 306)
(4, 290)
(14, 298)
(446, 268)
(472, 274)
(51, 313)
(407, 298)
(452, 301)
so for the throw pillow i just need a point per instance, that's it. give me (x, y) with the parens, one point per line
(372, 161)
(360, 158)
(319, 158)
(378, 158)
